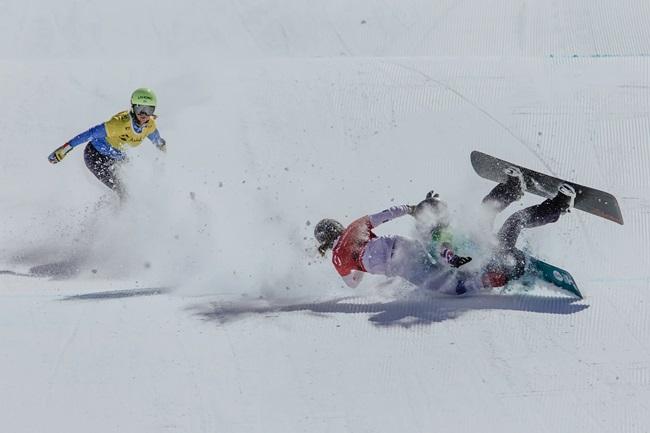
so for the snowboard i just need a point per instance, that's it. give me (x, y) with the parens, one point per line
(537, 268)
(587, 199)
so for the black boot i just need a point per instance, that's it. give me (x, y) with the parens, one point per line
(507, 192)
(564, 199)
(515, 183)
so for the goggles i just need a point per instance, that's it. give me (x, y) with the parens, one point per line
(144, 109)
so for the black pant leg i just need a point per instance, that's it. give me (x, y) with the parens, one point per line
(508, 260)
(102, 167)
(533, 216)
(501, 196)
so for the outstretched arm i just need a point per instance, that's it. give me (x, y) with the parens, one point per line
(390, 214)
(96, 132)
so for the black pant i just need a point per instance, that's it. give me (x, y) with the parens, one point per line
(508, 259)
(103, 167)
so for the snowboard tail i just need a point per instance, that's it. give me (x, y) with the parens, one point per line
(591, 200)
(551, 274)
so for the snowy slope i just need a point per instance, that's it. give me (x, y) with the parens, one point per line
(202, 306)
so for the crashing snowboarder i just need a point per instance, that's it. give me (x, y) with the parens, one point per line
(356, 249)
(108, 141)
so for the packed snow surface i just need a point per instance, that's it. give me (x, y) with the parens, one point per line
(201, 305)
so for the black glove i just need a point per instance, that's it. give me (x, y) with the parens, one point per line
(452, 259)
(432, 194)
(162, 145)
(458, 261)
(429, 203)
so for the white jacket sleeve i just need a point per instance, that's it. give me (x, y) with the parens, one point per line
(389, 214)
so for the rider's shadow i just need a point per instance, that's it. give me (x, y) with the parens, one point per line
(416, 309)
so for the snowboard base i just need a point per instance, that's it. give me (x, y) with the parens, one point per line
(591, 200)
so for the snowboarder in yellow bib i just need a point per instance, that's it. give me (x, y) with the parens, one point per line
(108, 141)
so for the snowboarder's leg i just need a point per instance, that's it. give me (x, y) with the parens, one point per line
(103, 167)
(511, 261)
(412, 263)
(547, 212)
(503, 195)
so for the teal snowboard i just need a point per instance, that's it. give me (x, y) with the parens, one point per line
(552, 274)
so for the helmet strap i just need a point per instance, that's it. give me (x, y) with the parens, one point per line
(326, 246)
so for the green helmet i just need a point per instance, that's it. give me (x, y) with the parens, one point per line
(143, 96)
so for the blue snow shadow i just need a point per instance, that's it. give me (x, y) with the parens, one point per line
(14, 273)
(62, 270)
(117, 294)
(409, 311)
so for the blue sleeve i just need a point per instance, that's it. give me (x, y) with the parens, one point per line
(155, 137)
(98, 131)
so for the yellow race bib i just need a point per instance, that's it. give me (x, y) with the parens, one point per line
(120, 132)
